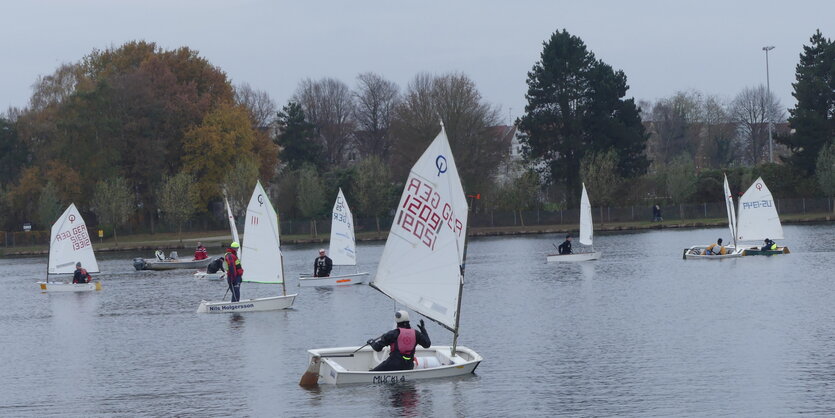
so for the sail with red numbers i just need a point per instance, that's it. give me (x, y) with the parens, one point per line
(70, 243)
(422, 259)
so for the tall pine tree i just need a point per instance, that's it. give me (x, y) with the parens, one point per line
(576, 106)
(296, 138)
(813, 117)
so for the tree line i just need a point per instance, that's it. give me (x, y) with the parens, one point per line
(136, 134)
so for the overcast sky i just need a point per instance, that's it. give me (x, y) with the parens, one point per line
(662, 46)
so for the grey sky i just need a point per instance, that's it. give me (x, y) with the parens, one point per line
(662, 46)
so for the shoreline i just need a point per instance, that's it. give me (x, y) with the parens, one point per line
(217, 241)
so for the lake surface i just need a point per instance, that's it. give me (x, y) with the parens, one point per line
(640, 332)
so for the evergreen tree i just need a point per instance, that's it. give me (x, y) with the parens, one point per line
(297, 138)
(813, 117)
(576, 105)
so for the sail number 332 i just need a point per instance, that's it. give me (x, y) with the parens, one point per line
(423, 213)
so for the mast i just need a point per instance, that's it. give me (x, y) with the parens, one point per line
(283, 286)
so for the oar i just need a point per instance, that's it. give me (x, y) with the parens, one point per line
(310, 378)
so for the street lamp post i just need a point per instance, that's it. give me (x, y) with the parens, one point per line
(768, 108)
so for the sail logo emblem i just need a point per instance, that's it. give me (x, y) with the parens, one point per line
(759, 186)
(254, 220)
(441, 164)
(260, 199)
(72, 218)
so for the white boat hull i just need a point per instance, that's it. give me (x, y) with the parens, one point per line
(69, 287)
(202, 275)
(273, 303)
(149, 264)
(697, 252)
(595, 255)
(355, 369)
(338, 280)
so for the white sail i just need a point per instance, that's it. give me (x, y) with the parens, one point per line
(261, 255)
(70, 243)
(586, 225)
(421, 262)
(342, 248)
(758, 217)
(232, 222)
(729, 205)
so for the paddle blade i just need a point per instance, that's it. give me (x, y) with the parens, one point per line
(98, 285)
(310, 378)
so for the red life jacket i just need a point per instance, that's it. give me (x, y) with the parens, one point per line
(85, 277)
(201, 253)
(233, 270)
(406, 343)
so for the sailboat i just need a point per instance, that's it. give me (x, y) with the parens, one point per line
(260, 257)
(699, 252)
(586, 234)
(342, 248)
(220, 274)
(758, 220)
(69, 244)
(422, 267)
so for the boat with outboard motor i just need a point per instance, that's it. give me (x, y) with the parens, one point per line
(342, 249)
(422, 267)
(70, 244)
(261, 258)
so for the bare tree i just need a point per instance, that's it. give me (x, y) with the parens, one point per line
(376, 99)
(674, 121)
(753, 109)
(469, 121)
(238, 184)
(56, 87)
(262, 109)
(719, 146)
(329, 106)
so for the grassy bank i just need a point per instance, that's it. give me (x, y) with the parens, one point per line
(217, 239)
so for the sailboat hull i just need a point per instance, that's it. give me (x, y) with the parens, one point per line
(552, 258)
(432, 363)
(757, 251)
(697, 252)
(149, 264)
(338, 280)
(273, 303)
(62, 287)
(202, 275)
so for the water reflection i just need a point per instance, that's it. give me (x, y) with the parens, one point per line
(404, 398)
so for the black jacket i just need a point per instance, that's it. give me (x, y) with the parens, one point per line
(565, 247)
(322, 266)
(391, 337)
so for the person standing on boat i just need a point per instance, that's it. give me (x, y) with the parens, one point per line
(159, 254)
(402, 342)
(234, 271)
(200, 253)
(80, 275)
(323, 265)
(716, 249)
(565, 247)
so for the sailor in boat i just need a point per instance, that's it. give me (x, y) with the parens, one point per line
(215, 266)
(769, 245)
(716, 249)
(80, 275)
(323, 265)
(159, 254)
(402, 342)
(565, 247)
(234, 271)
(200, 253)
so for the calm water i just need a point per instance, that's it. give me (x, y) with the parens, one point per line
(640, 332)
